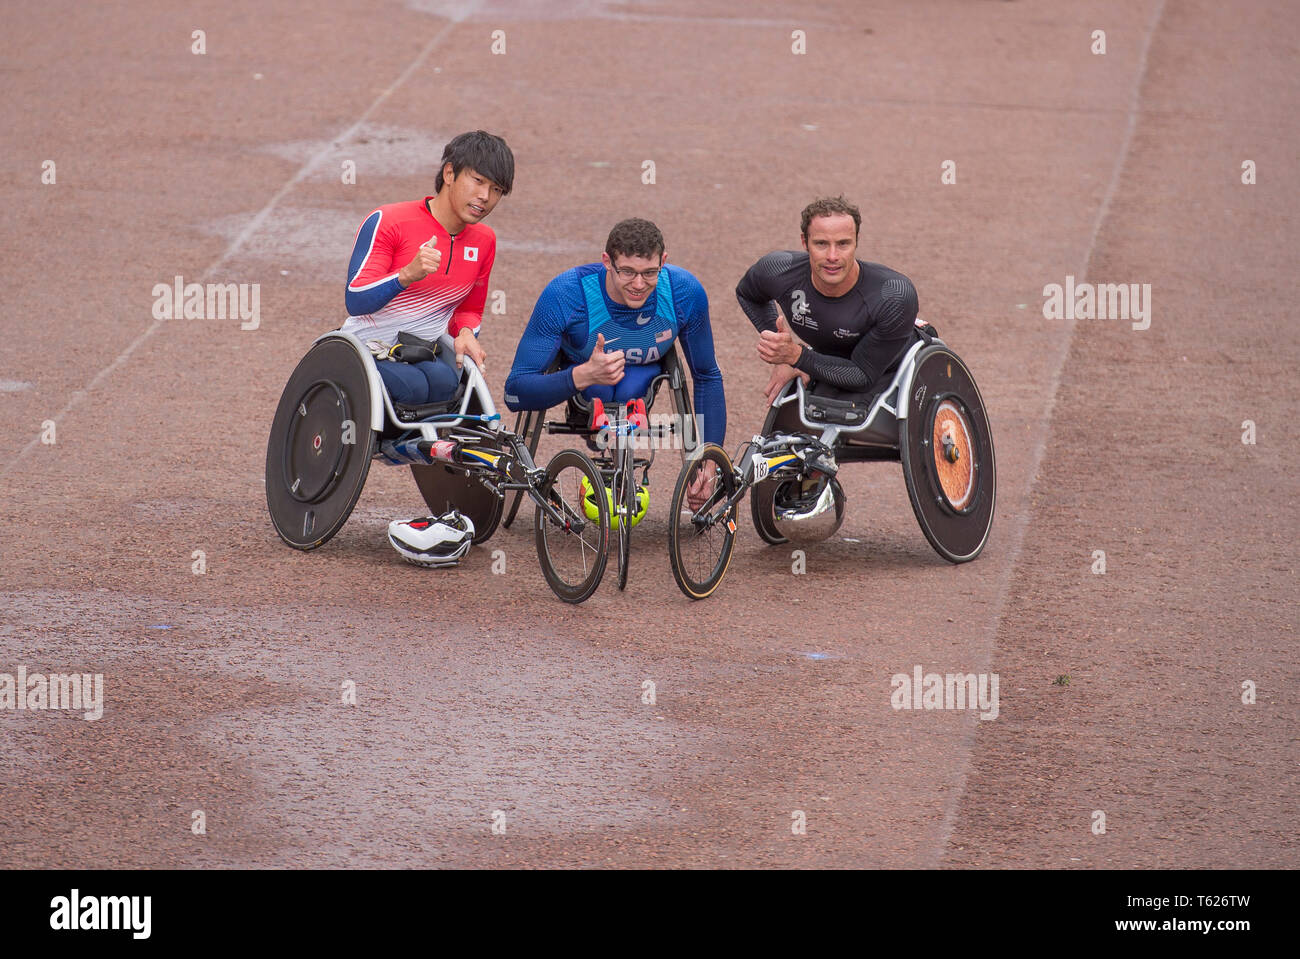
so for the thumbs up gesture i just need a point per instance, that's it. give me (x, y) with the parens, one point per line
(779, 346)
(603, 368)
(427, 259)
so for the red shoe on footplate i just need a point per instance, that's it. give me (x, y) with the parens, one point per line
(636, 415)
(599, 420)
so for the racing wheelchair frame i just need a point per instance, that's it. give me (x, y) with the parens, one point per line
(623, 448)
(335, 417)
(929, 415)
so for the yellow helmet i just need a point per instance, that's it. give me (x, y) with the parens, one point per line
(593, 511)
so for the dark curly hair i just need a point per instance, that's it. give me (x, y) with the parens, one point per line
(635, 237)
(829, 206)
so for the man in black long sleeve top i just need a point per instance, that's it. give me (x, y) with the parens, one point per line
(856, 317)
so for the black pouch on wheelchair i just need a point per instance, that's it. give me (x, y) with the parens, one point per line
(413, 349)
(837, 412)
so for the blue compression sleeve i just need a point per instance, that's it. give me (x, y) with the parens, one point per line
(370, 299)
(710, 403)
(529, 386)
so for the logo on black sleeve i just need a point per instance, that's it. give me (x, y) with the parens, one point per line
(800, 311)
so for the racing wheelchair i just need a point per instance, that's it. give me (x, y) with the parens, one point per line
(625, 445)
(335, 417)
(928, 413)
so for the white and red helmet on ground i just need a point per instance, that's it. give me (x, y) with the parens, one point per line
(432, 540)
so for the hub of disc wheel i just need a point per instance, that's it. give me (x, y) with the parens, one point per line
(315, 451)
(954, 464)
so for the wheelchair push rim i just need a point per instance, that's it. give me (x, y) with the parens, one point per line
(320, 446)
(946, 446)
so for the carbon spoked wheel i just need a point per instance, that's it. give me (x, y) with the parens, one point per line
(529, 424)
(444, 488)
(780, 419)
(624, 497)
(318, 454)
(700, 541)
(947, 451)
(572, 547)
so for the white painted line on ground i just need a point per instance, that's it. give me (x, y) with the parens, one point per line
(1020, 526)
(243, 237)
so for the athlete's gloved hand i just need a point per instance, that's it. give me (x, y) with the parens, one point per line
(467, 342)
(426, 260)
(779, 346)
(603, 369)
(782, 374)
(702, 485)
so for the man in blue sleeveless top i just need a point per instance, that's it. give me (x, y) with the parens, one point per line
(613, 321)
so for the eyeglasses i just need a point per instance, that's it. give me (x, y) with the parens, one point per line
(627, 274)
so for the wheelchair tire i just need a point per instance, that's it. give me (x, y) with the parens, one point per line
(572, 560)
(700, 554)
(319, 451)
(444, 488)
(623, 493)
(946, 446)
(780, 419)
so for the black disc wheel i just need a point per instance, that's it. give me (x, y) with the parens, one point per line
(444, 489)
(701, 534)
(572, 545)
(780, 419)
(947, 450)
(320, 447)
(528, 424)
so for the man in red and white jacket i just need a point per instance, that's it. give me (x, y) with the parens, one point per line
(423, 266)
